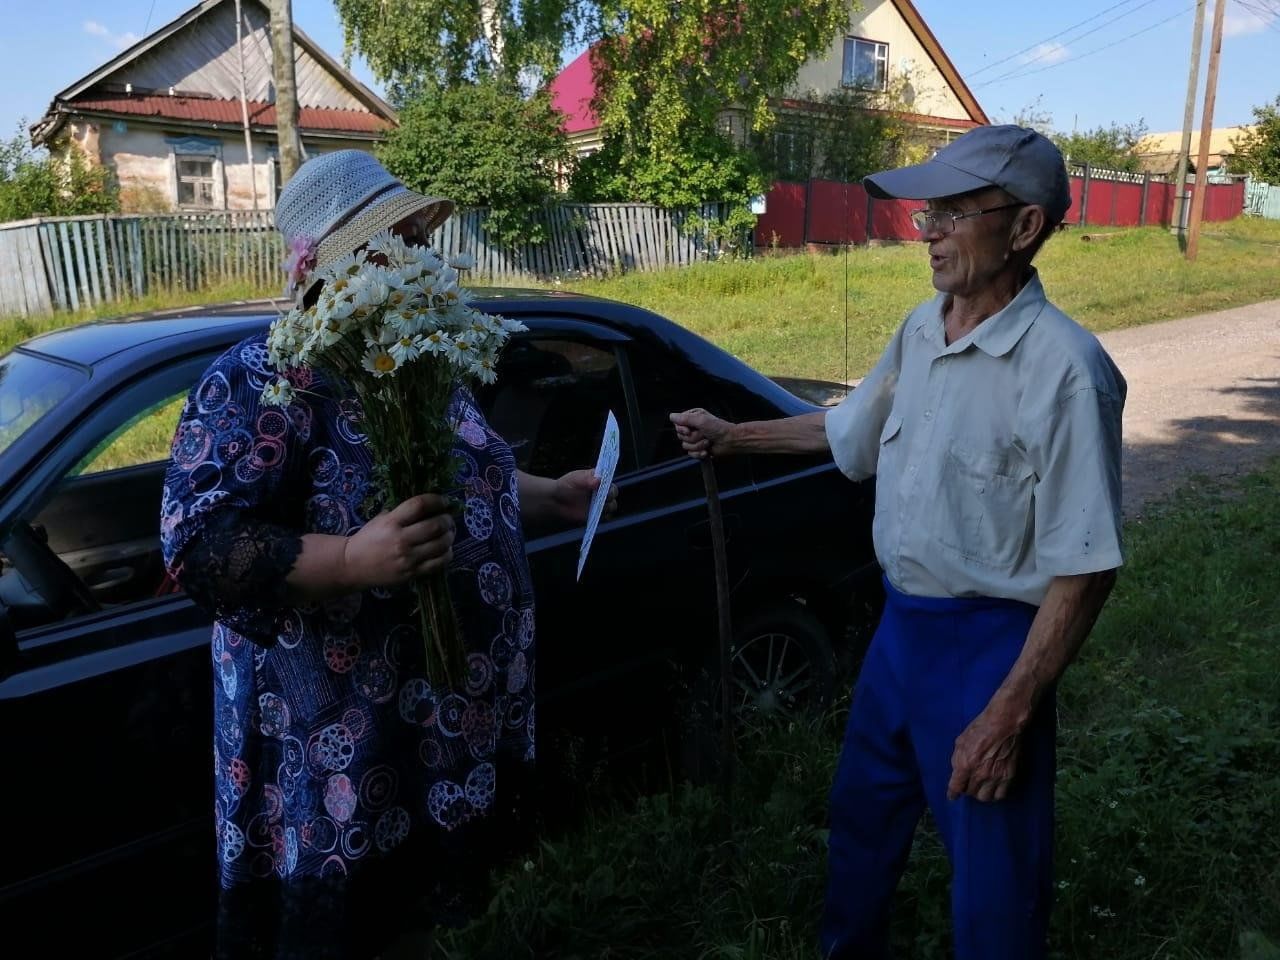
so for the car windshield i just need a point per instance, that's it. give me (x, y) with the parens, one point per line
(30, 387)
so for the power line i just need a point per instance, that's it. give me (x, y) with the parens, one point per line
(1040, 43)
(1266, 14)
(149, 13)
(1016, 75)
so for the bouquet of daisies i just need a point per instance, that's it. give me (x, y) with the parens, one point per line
(394, 326)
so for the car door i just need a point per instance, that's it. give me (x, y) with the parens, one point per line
(105, 710)
(613, 644)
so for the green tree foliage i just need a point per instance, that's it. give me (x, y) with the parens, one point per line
(665, 74)
(482, 144)
(449, 41)
(1113, 147)
(1258, 151)
(34, 184)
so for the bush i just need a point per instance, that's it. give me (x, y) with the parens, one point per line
(483, 144)
(34, 184)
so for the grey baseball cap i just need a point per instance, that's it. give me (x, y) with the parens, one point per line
(1023, 163)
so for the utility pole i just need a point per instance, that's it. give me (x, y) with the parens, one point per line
(1188, 120)
(244, 115)
(1206, 130)
(283, 73)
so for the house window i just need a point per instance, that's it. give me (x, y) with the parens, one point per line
(866, 64)
(195, 182)
(792, 154)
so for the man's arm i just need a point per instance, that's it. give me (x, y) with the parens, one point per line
(986, 753)
(704, 435)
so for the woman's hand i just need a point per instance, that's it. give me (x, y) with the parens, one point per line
(572, 493)
(413, 540)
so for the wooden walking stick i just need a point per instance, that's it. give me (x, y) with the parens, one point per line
(726, 631)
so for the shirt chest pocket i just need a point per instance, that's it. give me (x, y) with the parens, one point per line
(984, 508)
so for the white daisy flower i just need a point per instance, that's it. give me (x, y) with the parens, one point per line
(485, 368)
(278, 393)
(374, 292)
(380, 362)
(461, 351)
(346, 267)
(462, 261)
(436, 343)
(510, 326)
(407, 349)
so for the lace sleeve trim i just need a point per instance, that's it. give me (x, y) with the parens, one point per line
(235, 567)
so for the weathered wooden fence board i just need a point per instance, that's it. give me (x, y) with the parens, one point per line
(66, 263)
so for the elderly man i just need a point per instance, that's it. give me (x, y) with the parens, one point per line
(992, 424)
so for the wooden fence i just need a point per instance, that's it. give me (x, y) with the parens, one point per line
(1262, 199)
(65, 263)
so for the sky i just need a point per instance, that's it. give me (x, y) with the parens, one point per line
(1085, 64)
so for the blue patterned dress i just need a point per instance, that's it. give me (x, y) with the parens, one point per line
(345, 783)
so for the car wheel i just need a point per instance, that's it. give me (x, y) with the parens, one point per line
(781, 668)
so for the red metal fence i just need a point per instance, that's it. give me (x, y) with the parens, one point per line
(832, 212)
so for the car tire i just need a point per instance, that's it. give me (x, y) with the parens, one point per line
(783, 667)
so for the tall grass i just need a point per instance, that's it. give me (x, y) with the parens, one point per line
(787, 315)
(1168, 794)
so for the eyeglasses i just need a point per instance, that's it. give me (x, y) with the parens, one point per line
(943, 222)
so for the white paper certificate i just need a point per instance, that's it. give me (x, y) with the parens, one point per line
(606, 463)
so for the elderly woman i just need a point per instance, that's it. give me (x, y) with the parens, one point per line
(351, 794)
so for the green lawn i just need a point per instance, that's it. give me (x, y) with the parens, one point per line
(1169, 774)
(786, 315)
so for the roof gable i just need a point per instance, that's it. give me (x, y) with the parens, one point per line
(196, 54)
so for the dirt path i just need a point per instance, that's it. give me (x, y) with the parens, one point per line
(1204, 398)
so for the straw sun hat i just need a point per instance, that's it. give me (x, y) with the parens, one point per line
(335, 203)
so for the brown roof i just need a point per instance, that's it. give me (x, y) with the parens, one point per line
(210, 110)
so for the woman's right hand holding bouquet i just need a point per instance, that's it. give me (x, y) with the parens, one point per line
(413, 540)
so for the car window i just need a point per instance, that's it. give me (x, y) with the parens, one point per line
(30, 387)
(144, 438)
(551, 401)
(663, 385)
(98, 518)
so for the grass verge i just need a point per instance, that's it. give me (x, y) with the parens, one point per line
(1169, 770)
(786, 315)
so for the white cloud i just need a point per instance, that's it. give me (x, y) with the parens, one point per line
(1241, 21)
(117, 40)
(1045, 53)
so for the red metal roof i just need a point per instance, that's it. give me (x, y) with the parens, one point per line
(571, 93)
(201, 110)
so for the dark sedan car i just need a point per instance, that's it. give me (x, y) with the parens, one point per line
(104, 671)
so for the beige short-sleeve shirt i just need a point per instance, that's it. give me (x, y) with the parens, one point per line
(997, 457)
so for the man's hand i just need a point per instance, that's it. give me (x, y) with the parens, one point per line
(572, 495)
(702, 434)
(985, 758)
(413, 540)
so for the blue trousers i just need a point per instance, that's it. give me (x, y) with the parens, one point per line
(930, 670)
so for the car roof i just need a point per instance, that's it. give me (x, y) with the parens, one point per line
(91, 343)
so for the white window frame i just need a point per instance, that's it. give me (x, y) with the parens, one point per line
(197, 148)
(850, 59)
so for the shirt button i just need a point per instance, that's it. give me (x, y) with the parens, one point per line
(928, 414)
